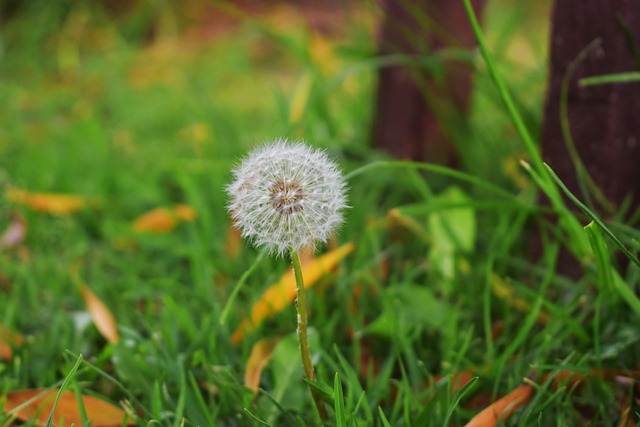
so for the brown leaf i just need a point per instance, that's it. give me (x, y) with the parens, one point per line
(8, 341)
(14, 234)
(101, 316)
(53, 203)
(627, 418)
(99, 412)
(502, 408)
(281, 294)
(258, 359)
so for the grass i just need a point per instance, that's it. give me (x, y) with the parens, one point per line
(441, 284)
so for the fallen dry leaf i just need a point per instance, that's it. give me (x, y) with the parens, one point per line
(502, 408)
(282, 293)
(99, 412)
(14, 234)
(163, 220)
(627, 419)
(184, 212)
(258, 359)
(52, 203)
(8, 341)
(101, 316)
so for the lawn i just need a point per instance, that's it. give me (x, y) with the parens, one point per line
(123, 281)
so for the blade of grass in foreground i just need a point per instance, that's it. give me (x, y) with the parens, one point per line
(338, 400)
(62, 388)
(458, 397)
(592, 216)
(234, 293)
(576, 235)
(502, 90)
(608, 278)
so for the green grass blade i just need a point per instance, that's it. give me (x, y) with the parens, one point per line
(130, 396)
(199, 400)
(338, 402)
(577, 240)
(458, 397)
(442, 170)
(236, 289)
(630, 77)
(592, 216)
(83, 410)
(383, 418)
(601, 253)
(502, 90)
(608, 279)
(255, 417)
(180, 406)
(626, 293)
(63, 386)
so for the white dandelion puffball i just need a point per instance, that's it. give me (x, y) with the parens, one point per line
(287, 196)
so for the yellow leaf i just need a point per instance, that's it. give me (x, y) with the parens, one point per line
(53, 203)
(505, 292)
(323, 54)
(163, 220)
(8, 341)
(101, 316)
(258, 359)
(14, 234)
(299, 98)
(282, 293)
(99, 412)
(502, 409)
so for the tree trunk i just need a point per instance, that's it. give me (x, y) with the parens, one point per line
(604, 121)
(411, 107)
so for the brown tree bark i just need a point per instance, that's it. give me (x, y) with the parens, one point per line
(604, 121)
(410, 105)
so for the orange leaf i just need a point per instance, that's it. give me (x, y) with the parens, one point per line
(53, 203)
(14, 234)
(502, 408)
(99, 412)
(102, 317)
(282, 293)
(258, 359)
(184, 212)
(163, 220)
(8, 341)
(159, 220)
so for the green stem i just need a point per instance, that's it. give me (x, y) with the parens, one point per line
(302, 333)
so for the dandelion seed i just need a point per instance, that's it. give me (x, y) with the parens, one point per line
(287, 196)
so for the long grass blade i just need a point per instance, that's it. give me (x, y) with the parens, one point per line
(630, 77)
(592, 216)
(66, 381)
(338, 402)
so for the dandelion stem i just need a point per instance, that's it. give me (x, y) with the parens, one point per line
(302, 333)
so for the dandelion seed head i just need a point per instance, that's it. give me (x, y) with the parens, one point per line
(287, 195)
